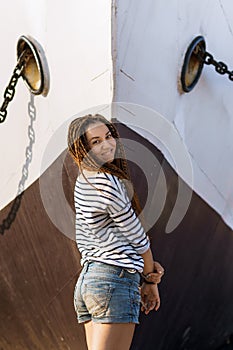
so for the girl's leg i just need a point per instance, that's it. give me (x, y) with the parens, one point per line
(109, 336)
(88, 331)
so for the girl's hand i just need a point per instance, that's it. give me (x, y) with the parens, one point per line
(159, 271)
(149, 297)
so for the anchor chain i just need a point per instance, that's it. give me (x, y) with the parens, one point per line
(208, 59)
(7, 222)
(10, 90)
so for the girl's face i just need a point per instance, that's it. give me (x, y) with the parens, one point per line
(101, 142)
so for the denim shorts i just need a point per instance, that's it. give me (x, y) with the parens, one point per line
(107, 294)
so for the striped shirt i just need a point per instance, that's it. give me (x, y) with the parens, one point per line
(107, 228)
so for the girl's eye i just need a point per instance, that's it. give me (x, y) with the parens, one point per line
(109, 136)
(95, 142)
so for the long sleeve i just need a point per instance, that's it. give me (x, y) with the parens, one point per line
(121, 211)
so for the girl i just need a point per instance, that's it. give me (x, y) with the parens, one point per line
(113, 244)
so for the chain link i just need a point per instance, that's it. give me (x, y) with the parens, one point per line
(10, 90)
(220, 67)
(7, 222)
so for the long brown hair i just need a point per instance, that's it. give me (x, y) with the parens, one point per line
(79, 150)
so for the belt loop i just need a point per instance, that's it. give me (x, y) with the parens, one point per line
(121, 273)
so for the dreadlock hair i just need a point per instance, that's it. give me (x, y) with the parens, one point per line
(79, 150)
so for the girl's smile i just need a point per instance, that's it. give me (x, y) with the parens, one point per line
(101, 142)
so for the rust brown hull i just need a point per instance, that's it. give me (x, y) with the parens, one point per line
(39, 267)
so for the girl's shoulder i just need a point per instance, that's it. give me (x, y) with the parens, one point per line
(100, 178)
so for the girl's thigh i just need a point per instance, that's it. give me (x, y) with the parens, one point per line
(109, 336)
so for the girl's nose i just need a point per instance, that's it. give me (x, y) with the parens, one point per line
(105, 145)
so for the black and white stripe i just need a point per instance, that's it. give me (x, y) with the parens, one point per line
(107, 228)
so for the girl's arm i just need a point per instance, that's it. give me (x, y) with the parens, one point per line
(148, 262)
(151, 266)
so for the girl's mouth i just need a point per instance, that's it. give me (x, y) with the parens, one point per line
(107, 153)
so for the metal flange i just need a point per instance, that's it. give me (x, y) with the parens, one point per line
(36, 71)
(193, 64)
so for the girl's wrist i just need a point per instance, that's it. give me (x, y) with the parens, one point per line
(148, 282)
(155, 276)
(148, 278)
